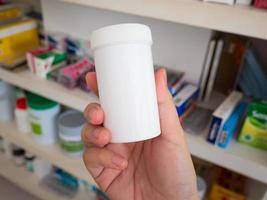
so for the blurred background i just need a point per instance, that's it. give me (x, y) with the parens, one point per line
(215, 55)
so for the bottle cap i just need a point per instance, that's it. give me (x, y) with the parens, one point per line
(21, 104)
(121, 33)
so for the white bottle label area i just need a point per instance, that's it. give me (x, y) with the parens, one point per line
(36, 125)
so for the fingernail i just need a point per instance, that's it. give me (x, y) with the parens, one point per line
(92, 114)
(119, 162)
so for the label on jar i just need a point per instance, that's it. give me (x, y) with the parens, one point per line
(35, 125)
(71, 144)
(29, 166)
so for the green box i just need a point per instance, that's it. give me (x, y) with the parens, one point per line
(254, 131)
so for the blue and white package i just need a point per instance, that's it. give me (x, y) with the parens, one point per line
(230, 126)
(221, 114)
(185, 97)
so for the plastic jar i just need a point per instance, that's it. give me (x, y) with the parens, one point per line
(6, 102)
(22, 116)
(201, 187)
(70, 126)
(29, 159)
(18, 156)
(126, 82)
(41, 167)
(43, 113)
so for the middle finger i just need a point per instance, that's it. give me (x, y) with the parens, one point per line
(96, 135)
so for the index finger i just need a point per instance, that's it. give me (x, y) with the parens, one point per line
(92, 82)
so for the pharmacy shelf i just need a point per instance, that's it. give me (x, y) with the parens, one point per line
(49, 89)
(244, 20)
(52, 153)
(31, 183)
(240, 158)
(18, 175)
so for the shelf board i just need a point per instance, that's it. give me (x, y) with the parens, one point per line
(31, 183)
(25, 79)
(244, 20)
(52, 153)
(240, 158)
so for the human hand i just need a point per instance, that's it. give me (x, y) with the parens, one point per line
(156, 169)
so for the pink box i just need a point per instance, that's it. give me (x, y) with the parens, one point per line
(261, 4)
(69, 76)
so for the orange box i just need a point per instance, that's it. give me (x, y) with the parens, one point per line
(220, 193)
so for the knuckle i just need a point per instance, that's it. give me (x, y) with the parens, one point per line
(89, 108)
(83, 132)
(85, 156)
(102, 156)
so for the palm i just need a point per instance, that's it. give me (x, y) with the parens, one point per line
(147, 171)
(159, 168)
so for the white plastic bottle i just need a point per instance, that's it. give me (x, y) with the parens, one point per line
(126, 82)
(22, 116)
(6, 102)
(43, 118)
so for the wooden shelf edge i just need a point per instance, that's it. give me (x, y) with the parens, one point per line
(18, 175)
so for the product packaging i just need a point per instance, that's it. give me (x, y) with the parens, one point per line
(218, 193)
(18, 155)
(6, 102)
(22, 116)
(70, 125)
(185, 97)
(201, 187)
(254, 131)
(41, 167)
(44, 63)
(57, 40)
(8, 148)
(221, 114)
(43, 114)
(260, 4)
(231, 124)
(175, 81)
(70, 75)
(29, 159)
(15, 40)
(9, 13)
(31, 55)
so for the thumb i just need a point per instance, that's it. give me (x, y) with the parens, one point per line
(169, 121)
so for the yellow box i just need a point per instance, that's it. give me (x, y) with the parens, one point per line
(10, 12)
(220, 193)
(16, 39)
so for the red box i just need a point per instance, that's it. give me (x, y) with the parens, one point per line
(261, 4)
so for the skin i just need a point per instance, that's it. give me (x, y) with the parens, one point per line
(160, 168)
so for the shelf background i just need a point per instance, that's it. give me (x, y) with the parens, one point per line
(175, 46)
(243, 20)
(18, 175)
(75, 98)
(240, 158)
(31, 183)
(52, 153)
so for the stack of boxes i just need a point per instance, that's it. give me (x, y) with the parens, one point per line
(18, 34)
